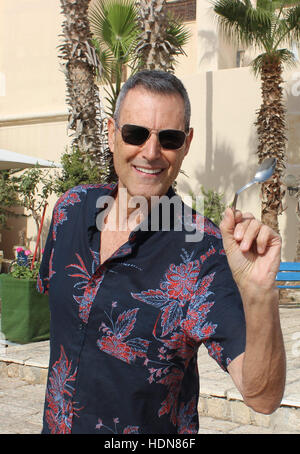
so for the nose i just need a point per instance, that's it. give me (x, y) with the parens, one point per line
(151, 149)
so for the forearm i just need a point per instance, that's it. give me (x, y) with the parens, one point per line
(264, 370)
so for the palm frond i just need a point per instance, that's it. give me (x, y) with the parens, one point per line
(105, 58)
(177, 33)
(293, 22)
(269, 5)
(114, 25)
(283, 56)
(238, 20)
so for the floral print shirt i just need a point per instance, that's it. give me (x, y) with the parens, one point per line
(124, 334)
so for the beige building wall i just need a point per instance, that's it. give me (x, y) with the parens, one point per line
(33, 112)
(32, 106)
(223, 155)
(29, 32)
(224, 100)
(187, 64)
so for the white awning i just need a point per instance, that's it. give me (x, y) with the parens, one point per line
(12, 160)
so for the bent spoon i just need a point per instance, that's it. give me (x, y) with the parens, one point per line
(263, 173)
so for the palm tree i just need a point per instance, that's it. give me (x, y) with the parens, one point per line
(121, 41)
(115, 33)
(80, 64)
(162, 36)
(268, 26)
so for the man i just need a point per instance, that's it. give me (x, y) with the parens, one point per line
(131, 305)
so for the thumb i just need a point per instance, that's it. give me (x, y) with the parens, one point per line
(227, 227)
(227, 224)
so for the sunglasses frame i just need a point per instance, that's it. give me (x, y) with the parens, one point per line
(157, 131)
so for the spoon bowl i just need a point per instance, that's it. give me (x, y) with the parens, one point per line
(263, 173)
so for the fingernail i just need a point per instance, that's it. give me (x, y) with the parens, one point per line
(227, 212)
(244, 244)
(238, 233)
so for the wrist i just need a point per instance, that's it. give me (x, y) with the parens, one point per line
(251, 293)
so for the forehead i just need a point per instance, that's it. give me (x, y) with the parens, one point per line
(152, 109)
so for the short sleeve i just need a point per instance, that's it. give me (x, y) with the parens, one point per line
(43, 279)
(216, 315)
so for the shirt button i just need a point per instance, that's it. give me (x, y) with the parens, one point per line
(81, 326)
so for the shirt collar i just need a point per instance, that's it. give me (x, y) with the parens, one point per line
(143, 229)
(106, 190)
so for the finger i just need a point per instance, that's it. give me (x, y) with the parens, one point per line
(238, 216)
(264, 238)
(243, 222)
(227, 224)
(230, 219)
(250, 234)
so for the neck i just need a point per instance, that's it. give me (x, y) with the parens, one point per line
(127, 211)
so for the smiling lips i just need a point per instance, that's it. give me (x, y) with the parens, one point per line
(148, 171)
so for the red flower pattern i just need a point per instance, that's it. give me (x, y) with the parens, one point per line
(180, 281)
(114, 342)
(60, 409)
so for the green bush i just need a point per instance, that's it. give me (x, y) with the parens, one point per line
(24, 272)
(77, 169)
(8, 196)
(213, 205)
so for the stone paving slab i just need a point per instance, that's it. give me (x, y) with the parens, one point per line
(21, 406)
(21, 410)
(34, 354)
(219, 398)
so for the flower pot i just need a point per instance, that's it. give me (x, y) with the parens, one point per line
(25, 315)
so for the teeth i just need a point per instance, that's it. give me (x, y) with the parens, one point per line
(152, 171)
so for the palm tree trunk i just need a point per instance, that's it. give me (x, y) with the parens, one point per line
(272, 140)
(82, 93)
(155, 50)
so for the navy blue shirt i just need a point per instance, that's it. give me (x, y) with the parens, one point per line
(125, 333)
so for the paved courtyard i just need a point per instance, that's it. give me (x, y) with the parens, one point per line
(23, 372)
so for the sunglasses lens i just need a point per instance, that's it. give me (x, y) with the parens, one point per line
(171, 139)
(134, 135)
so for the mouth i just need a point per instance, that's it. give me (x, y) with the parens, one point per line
(148, 171)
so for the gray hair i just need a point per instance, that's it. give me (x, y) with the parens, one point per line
(156, 82)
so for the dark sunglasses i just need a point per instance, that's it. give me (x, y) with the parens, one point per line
(170, 139)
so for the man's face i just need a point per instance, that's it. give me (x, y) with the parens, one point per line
(133, 163)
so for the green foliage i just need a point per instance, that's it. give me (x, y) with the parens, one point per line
(8, 196)
(177, 34)
(213, 205)
(116, 31)
(24, 272)
(29, 189)
(77, 169)
(34, 186)
(268, 25)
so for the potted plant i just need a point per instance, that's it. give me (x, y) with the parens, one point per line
(25, 315)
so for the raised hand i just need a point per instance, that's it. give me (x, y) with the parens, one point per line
(253, 250)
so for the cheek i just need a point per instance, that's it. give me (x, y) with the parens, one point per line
(124, 153)
(175, 161)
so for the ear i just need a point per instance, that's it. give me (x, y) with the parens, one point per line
(111, 127)
(188, 141)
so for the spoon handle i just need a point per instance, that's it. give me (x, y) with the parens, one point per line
(233, 206)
